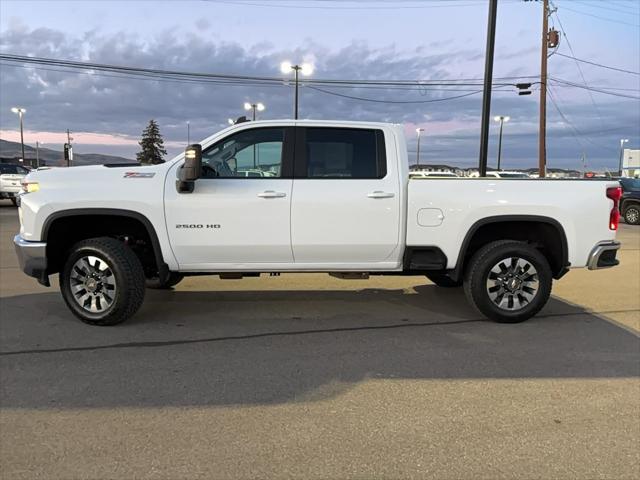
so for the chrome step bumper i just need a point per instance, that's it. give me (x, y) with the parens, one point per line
(603, 255)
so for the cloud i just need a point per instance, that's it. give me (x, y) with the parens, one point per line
(111, 108)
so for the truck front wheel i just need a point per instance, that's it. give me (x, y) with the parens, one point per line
(102, 281)
(508, 281)
(632, 214)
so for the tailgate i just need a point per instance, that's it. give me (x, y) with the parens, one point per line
(10, 180)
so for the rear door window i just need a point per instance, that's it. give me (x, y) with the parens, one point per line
(344, 153)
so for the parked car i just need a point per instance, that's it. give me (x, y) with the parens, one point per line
(342, 203)
(630, 201)
(11, 180)
(422, 174)
(502, 174)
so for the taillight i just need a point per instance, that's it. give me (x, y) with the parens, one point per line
(614, 193)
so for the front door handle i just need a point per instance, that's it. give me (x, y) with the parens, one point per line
(380, 194)
(272, 194)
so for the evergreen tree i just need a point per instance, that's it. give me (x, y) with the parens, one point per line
(152, 145)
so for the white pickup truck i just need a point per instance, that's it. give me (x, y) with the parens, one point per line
(331, 197)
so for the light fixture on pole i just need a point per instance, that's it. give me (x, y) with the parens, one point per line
(306, 69)
(622, 142)
(254, 106)
(502, 119)
(20, 111)
(419, 132)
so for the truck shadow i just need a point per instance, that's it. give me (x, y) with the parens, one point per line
(268, 347)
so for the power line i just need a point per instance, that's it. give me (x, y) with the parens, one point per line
(608, 7)
(592, 89)
(576, 133)
(375, 100)
(584, 80)
(243, 79)
(598, 64)
(601, 18)
(392, 6)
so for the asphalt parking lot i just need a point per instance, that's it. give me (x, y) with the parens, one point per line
(312, 377)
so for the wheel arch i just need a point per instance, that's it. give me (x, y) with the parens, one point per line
(559, 261)
(50, 223)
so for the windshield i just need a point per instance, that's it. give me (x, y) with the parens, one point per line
(13, 169)
(630, 184)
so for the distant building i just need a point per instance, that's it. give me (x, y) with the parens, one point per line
(631, 162)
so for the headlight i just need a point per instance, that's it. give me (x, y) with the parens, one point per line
(30, 187)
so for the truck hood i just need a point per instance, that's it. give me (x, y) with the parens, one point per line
(97, 183)
(94, 173)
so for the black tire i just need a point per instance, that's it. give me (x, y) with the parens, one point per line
(123, 270)
(632, 214)
(482, 270)
(442, 280)
(14, 200)
(173, 279)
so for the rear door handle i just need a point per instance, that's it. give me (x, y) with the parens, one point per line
(272, 194)
(380, 194)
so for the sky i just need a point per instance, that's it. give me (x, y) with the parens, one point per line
(359, 39)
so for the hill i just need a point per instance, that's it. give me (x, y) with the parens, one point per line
(11, 151)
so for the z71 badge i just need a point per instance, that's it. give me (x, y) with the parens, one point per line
(138, 175)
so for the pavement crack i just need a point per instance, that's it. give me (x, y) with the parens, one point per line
(239, 337)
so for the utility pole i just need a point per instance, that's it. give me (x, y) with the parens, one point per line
(542, 134)
(37, 154)
(488, 80)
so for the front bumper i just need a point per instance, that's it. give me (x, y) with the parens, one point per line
(603, 255)
(32, 257)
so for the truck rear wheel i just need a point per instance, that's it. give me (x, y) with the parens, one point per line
(102, 281)
(508, 281)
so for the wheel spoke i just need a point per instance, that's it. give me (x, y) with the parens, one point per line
(512, 283)
(93, 284)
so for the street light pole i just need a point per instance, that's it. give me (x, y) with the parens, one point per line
(20, 111)
(296, 69)
(188, 133)
(305, 69)
(622, 142)
(418, 131)
(501, 119)
(254, 106)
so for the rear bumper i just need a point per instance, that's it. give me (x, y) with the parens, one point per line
(603, 255)
(32, 257)
(9, 193)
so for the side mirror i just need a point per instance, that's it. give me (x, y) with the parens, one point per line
(192, 168)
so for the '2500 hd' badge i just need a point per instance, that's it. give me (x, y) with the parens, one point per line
(198, 225)
(138, 174)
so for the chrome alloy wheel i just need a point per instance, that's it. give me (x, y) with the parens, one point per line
(93, 284)
(512, 283)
